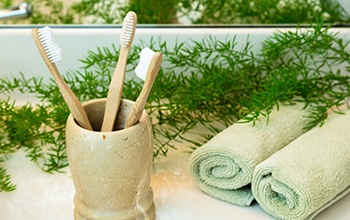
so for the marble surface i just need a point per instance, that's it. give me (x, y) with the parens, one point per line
(42, 196)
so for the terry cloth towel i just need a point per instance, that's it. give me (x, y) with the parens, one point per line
(309, 174)
(223, 167)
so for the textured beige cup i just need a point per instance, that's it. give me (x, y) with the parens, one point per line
(111, 170)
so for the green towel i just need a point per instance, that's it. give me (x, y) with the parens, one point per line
(224, 166)
(309, 174)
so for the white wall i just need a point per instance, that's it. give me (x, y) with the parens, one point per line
(18, 52)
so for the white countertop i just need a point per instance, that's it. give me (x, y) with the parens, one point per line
(42, 196)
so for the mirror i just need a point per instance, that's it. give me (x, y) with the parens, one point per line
(181, 11)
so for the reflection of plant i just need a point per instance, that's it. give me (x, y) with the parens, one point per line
(168, 11)
(5, 3)
(112, 12)
(266, 11)
(155, 11)
(100, 11)
(50, 12)
(334, 11)
(45, 12)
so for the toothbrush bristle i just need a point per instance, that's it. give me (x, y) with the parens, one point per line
(52, 50)
(128, 29)
(146, 56)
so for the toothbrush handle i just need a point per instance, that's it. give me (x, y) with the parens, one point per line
(74, 105)
(115, 92)
(69, 97)
(135, 112)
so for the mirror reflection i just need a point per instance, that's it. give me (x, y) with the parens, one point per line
(174, 11)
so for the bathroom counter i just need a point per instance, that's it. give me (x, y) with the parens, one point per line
(42, 196)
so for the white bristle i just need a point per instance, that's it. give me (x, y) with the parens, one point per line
(146, 56)
(52, 50)
(127, 29)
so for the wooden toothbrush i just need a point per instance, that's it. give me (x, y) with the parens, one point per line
(147, 70)
(115, 90)
(51, 53)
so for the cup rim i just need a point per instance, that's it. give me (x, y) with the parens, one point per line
(71, 119)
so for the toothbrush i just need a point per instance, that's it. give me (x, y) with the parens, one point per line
(147, 70)
(51, 53)
(116, 86)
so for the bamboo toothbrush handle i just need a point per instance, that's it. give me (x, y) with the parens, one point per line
(115, 92)
(74, 105)
(69, 97)
(135, 112)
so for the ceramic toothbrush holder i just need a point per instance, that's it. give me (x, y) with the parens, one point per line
(111, 171)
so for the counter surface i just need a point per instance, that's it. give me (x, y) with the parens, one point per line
(42, 196)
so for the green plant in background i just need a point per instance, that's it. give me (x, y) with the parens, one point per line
(218, 11)
(113, 12)
(5, 3)
(205, 84)
(215, 11)
(96, 11)
(264, 11)
(169, 11)
(51, 12)
(100, 11)
(45, 12)
(155, 11)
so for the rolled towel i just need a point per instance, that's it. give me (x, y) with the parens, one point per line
(309, 174)
(223, 167)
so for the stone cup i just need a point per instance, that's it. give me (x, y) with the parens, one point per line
(111, 171)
